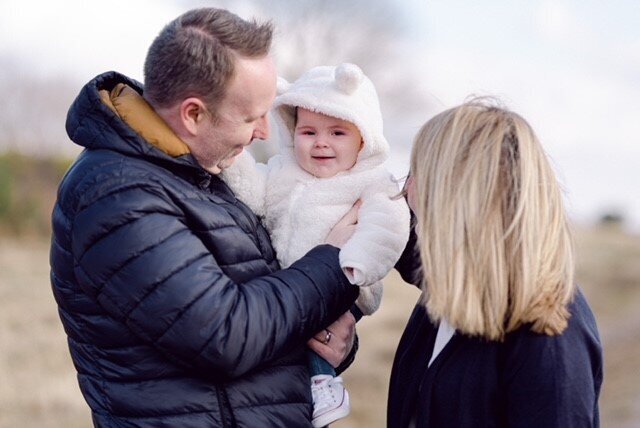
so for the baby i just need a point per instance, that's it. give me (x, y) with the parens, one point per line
(332, 148)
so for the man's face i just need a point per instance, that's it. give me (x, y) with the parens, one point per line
(241, 116)
(325, 145)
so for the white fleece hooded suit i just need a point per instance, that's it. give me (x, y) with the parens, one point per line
(299, 209)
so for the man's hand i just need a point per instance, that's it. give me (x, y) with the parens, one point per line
(343, 230)
(335, 342)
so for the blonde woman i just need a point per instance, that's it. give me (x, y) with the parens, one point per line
(501, 336)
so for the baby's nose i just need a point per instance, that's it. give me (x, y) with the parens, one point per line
(320, 142)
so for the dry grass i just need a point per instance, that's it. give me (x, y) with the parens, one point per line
(38, 387)
(609, 271)
(37, 380)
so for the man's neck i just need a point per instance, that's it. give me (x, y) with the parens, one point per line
(171, 116)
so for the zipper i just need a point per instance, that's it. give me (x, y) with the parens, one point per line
(226, 413)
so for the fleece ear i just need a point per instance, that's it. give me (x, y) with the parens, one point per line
(282, 85)
(348, 77)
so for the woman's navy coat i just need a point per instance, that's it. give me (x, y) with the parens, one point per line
(529, 380)
(169, 290)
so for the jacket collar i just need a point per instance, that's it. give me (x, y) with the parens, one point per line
(132, 108)
(96, 125)
(96, 122)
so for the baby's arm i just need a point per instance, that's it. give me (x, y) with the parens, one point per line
(380, 236)
(370, 298)
(248, 180)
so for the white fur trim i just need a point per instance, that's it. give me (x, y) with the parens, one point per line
(248, 180)
(355, 273)
(343, 92)
(282, 85)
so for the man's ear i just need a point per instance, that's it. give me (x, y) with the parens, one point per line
(193, 114)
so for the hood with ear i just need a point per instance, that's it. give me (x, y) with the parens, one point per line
(343, 92)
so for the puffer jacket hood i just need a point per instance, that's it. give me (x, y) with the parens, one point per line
(169, 290)
(90, 112)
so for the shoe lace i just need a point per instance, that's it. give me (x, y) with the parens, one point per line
(325, 391)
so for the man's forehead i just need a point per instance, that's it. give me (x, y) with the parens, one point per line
(253, 85)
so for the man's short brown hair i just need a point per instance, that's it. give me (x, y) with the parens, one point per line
(194, 55)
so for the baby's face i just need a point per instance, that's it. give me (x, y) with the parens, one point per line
(325, 145)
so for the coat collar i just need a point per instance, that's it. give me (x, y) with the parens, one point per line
(132, 108)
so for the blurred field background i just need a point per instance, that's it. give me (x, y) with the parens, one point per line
(37, 380)
(550, 60)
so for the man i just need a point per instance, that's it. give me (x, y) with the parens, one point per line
(167, 285)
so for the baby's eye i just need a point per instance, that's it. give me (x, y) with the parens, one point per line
(339, 133)
(308, 133)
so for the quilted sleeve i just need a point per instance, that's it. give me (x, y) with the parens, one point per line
(135, 255)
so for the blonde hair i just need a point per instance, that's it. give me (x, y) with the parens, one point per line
(494, 239)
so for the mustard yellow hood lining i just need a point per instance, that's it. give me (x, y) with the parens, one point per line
(140, 116)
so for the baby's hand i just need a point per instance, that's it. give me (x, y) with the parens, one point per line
(344, 228)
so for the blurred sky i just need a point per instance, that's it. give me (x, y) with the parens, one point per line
(570, 67)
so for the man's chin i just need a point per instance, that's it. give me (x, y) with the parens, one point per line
(226, 163)
(215, 169)
(223, 164)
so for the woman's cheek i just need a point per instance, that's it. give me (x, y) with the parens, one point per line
(411, 194)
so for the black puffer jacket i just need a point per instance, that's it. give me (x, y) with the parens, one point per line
(169, 290)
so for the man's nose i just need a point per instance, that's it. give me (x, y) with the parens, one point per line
(262, 128)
